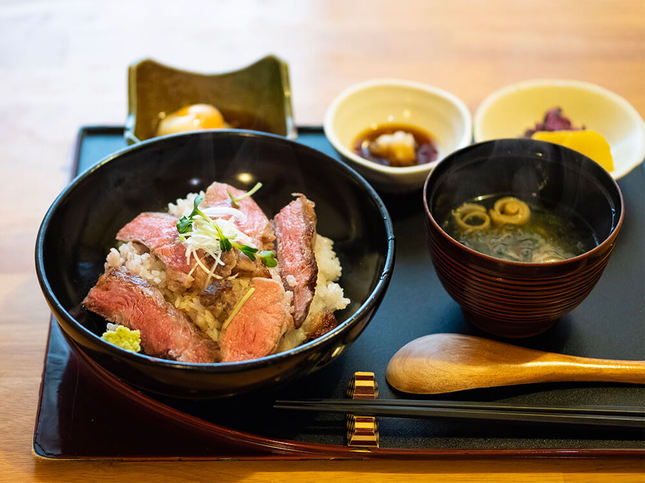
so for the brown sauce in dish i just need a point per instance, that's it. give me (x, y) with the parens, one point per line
(425, 149)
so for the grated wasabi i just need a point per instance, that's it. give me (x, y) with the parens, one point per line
(123, 337)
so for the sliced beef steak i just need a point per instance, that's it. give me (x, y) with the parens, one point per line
(295, 229)
(158, 232)
(255, 331)
(129, 300)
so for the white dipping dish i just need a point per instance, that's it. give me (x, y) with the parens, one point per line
(391, 101)
(509, 112)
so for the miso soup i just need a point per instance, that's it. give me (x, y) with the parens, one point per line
(512, 229)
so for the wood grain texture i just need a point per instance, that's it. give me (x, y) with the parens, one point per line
(440, 363)
(63, 64)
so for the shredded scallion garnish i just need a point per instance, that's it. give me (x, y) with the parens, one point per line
(235, 201)
(237, 308)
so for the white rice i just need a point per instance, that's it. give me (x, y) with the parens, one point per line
(136, 259)
(329, 295)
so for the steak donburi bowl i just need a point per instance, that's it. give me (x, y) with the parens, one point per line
(108, 201)
(520, 231)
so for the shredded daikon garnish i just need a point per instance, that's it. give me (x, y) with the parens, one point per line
(220, 211)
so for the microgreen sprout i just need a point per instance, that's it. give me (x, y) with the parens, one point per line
(268, 258)
(185, 223)
(235, 201)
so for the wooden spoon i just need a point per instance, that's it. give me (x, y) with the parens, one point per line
(441, 363)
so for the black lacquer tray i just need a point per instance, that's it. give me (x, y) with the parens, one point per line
(85, 412)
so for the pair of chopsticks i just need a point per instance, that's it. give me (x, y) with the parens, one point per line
(626, 417)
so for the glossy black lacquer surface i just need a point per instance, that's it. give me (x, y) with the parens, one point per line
(81, 225)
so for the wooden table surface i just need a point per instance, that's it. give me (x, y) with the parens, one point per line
(63, 64)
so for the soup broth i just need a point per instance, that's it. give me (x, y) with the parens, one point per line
(544, 236)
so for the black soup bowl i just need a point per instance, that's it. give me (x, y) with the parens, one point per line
(80, 227)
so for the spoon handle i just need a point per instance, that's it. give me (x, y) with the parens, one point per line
(557, 368)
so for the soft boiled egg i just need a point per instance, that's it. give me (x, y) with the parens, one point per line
(191, 118)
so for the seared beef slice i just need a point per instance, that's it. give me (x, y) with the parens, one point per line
(158, 232)
(256, 329)
(295, 230)
(129, 300)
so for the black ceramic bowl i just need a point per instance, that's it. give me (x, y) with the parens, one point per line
(509, 298)
(81, 225)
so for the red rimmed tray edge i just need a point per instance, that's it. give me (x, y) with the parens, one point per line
(279, 449)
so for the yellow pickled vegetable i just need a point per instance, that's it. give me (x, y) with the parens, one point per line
(589, 143)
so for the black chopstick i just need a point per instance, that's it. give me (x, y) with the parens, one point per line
(425, 403)
(598, 416)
